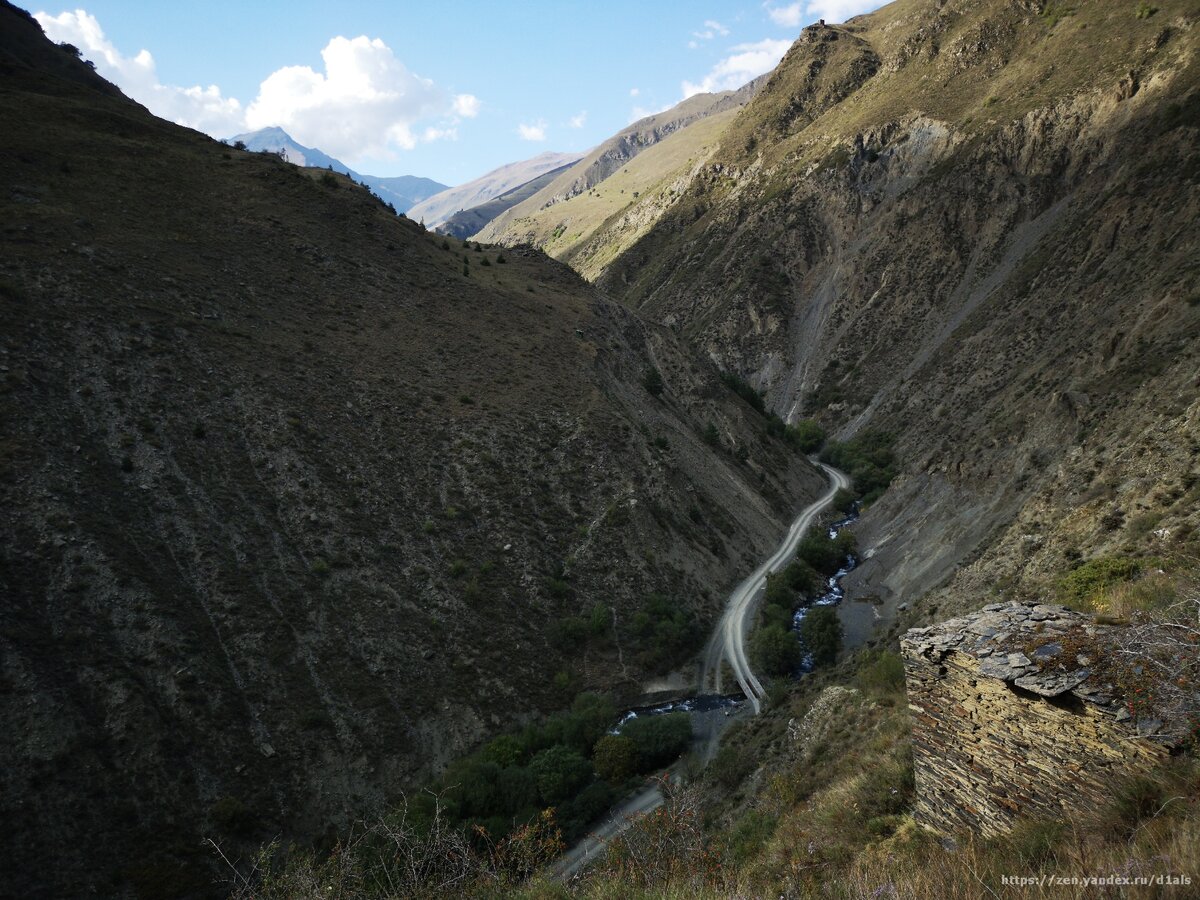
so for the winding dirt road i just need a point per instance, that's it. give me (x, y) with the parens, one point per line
(728, 640)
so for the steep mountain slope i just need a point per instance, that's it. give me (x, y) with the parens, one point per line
(974, 224)
(402, 191)
(589, 230)
(440, 207)
(297, 495)
(468, 222)
(536, 221)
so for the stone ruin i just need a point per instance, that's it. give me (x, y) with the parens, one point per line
(1016, 714)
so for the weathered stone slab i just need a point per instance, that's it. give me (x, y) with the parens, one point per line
(993, 739)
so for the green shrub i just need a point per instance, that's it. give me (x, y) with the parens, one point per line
(615, 757)
(825, 554)
(806, 435)
(774, 614)
(1085, 584)
(774, 650)
(569, 633)
(659, 739)
(731, 765)
(504, 750)
(599, 620)
(575, 814)
(844, 500)
(750, 834)
(711, 435)
(784, 586)
(558, 588)
(1034, 842)
(652, 381)
(822, 634)
(664, 632)
(882, 672)
(868, 459)
(560, 772)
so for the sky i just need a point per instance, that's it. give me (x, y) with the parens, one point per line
(447, 91)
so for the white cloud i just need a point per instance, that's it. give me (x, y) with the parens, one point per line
(840, 10)
(830, 10)
(198, 107)
(466, 105)
(746, 63)
(712, 29)
(534, 132)
(787, 16)
(578, 121)
(633, 92)
(366, 103)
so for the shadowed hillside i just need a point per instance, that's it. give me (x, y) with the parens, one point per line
(298, 495)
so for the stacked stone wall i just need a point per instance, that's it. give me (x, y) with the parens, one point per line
(997, 737)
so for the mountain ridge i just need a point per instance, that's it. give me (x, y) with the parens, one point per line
(305, 501)
(402, 191)
(537, 220)
(440, 207)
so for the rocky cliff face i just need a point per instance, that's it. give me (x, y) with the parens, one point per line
(1018, 714)
(299, 497)
(972, 224)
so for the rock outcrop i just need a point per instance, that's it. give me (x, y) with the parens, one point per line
(1018, 712)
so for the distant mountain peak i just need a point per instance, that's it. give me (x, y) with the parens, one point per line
(402, 191)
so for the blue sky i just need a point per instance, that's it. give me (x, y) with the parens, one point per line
(448, 91)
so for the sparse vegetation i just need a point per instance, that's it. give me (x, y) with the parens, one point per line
(652, 381)
(868, 459)
(664, 633)
(822, 633)
(1084, 586)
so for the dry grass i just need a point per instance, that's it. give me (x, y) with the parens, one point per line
(1127, 840)
(827, 824)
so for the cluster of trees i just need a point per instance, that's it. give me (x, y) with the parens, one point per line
(661, 632)
(868, 459)
(569, 762)
(773, 646)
